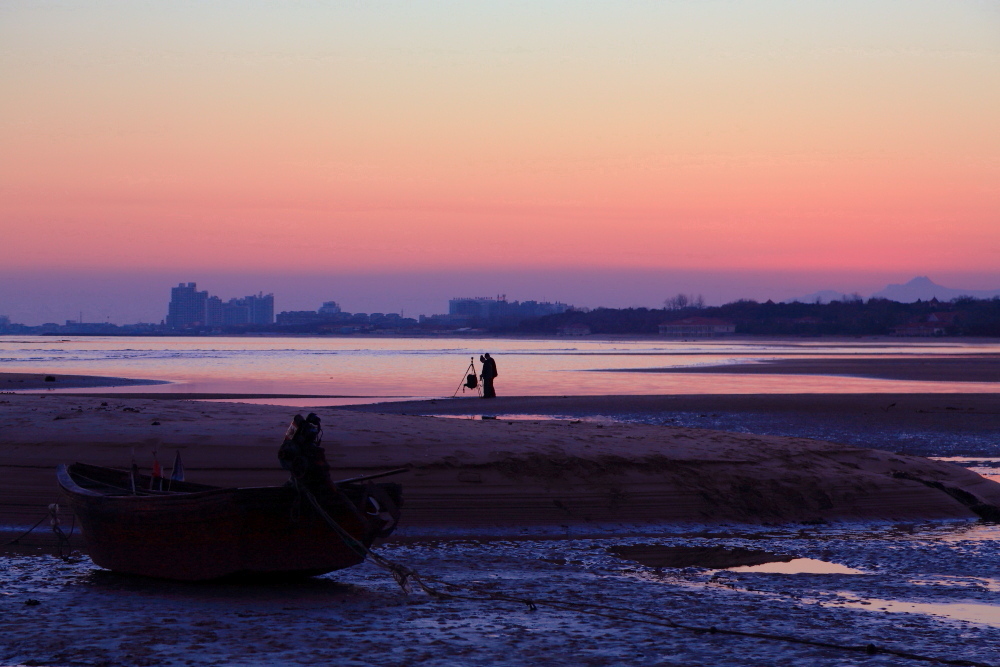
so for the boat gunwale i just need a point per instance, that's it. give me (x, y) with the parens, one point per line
(66, 481)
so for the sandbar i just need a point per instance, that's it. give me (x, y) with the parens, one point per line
(475, 473)
(27, 381)
(939, 368)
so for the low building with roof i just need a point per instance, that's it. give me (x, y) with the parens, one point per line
(935, 324)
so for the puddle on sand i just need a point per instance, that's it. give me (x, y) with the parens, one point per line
(528, 418)
(978, 532)
(797, 566)
(712, 558)
(987, 466)
(979, 583)
(972, 612)
(732, 559)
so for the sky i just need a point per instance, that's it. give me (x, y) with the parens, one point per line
(391, 155)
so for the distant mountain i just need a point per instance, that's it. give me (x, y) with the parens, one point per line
(822, 296)
(924, 289)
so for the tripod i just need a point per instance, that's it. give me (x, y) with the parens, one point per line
(469, 380)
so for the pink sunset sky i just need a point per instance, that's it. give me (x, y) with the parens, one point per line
(392, 155)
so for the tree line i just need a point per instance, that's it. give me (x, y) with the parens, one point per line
(854, 316)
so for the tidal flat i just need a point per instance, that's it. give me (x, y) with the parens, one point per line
(930, 589)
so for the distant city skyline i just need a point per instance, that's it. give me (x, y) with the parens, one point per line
(36, 299)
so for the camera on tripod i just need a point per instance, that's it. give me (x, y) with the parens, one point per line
(471, 379)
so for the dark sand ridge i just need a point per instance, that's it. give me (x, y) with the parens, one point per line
(22, 381)
(941, 368)
(476, 473)
(35, 381)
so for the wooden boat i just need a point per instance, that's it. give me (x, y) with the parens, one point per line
(196, 532)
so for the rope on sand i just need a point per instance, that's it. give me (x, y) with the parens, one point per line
(650, 618)
(404, 575)
(54, 524)
(25, 533)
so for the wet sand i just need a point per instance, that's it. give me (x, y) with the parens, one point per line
(922, 424)
(474, 473)
(903, 410)
(941, 368)
(929, 590)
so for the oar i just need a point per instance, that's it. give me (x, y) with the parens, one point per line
(375, 476)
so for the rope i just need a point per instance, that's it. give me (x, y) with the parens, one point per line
(53, 517)
(402, 574)
(25, 533)
(618, 613)
(57, 529)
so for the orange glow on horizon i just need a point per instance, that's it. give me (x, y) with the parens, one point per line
(346, 140)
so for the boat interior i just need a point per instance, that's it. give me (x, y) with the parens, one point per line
(115, 482)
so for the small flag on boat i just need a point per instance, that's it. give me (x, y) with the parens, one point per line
(177, 474)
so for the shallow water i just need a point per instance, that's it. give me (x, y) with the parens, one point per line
(925, 588)
(434, 367)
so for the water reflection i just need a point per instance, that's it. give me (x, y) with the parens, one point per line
(798, 566)
(973, 612)
(988, 467)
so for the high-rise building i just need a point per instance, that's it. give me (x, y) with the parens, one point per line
(191, 308)
(260, 308)
(499, 311)
(471, 307)
(213, 311)
(188, 307)
(329, 308)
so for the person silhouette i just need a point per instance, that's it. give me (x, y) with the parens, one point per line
(489, 372)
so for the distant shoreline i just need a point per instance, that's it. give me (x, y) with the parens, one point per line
(759, 338)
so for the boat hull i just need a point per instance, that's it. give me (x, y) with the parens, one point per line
(215, 533)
